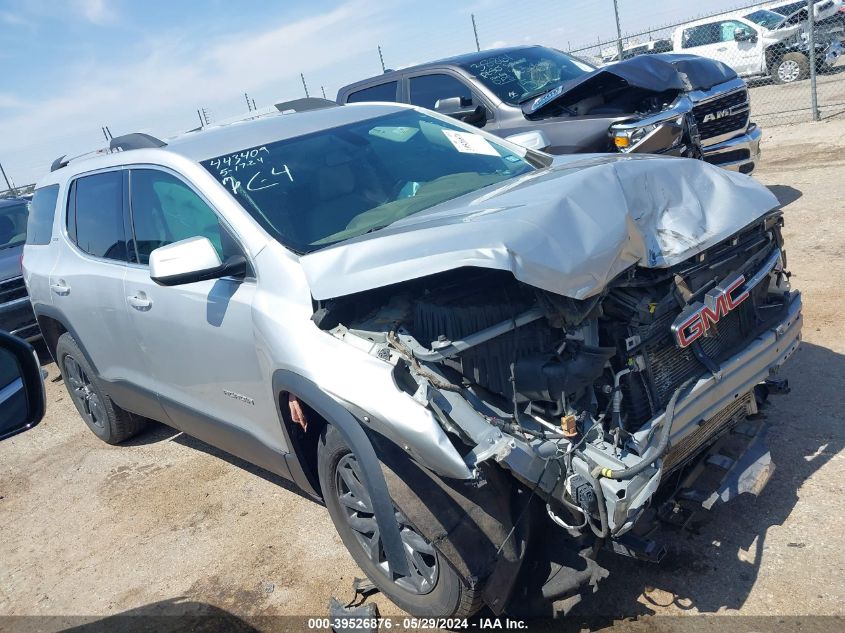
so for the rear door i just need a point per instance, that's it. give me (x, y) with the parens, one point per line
(86, 283)
(198, 338)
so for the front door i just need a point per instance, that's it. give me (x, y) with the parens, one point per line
(198, 338)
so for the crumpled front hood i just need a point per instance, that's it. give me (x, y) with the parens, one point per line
(568, 229)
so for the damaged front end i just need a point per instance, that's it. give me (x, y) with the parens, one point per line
(593, 402)
(649, 98)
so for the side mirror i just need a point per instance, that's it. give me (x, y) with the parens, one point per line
(22, 396)
(191, 260)
(454, 106)
(742, 35)
(534, 139)
(461, 108)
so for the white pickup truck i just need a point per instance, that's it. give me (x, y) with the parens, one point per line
(757, 43)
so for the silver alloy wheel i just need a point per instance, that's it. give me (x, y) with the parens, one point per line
(81, 390)
(358, 511)
(789, 71)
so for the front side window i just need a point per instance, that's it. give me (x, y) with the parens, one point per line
(427, 90)
(166, 210)
(381, 92)
(95, 215)
(315, 190)
(727, 30)
(13, 225)
(518, 75)
(42, 211)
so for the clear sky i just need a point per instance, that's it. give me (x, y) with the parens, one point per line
(72, 66)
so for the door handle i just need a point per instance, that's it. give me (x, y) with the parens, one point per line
(140, 301)
(60, 288)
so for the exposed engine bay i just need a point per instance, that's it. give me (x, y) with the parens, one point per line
(581, 399)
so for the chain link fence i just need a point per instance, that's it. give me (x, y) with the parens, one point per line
(791, 58)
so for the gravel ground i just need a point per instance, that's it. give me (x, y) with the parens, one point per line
(90, 529)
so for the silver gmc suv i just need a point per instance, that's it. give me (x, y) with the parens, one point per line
(488, 362)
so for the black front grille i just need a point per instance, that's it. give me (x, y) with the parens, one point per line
(710, 124)
(12, 289)
(728, 157)
(670, 366)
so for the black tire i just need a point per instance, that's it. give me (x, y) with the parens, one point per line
(105, 419)
(790, 68)
(447, 596)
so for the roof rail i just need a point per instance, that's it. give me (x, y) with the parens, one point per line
(305, 104)
(136, 140)
(60, 162)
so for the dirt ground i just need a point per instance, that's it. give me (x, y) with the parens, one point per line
(773, 104)
(91, 529)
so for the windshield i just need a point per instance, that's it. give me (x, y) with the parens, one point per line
(322, 188)
(518, 75)
(13, 225)
(766, 19)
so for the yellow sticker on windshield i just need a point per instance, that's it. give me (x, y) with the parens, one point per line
(469, 143)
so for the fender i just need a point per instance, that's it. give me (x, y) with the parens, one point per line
(356, 438)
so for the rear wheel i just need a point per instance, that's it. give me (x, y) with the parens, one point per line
(433, 588)
(790, 68)
(108, 422)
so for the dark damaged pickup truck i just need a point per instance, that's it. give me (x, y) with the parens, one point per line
(542, 98)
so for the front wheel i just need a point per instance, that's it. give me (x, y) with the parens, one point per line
(791, 67)
(433, 588)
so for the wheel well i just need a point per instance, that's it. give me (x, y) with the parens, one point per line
(51, 330)
(303, 443)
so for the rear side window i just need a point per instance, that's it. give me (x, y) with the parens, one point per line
(427, 90)
(95, 215)
(381, 92)
(701, 35)
(42, 210)
(166, 210)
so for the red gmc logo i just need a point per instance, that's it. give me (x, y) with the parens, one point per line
(696, 319)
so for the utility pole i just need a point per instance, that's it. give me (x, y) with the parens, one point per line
(199, 116)
(323, 91)
(304, 85)
(104, 133)
(618, 29)
(253, 105)
(811, 27)
(9, 185)
(475, 32)
(248, 104)
(381, 58)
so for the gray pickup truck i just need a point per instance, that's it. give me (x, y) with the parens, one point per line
(16, 316)
(673, 104)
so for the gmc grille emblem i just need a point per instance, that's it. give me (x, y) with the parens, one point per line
(699, 317)
(718, 114)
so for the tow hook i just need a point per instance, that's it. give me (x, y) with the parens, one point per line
(777, 386)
